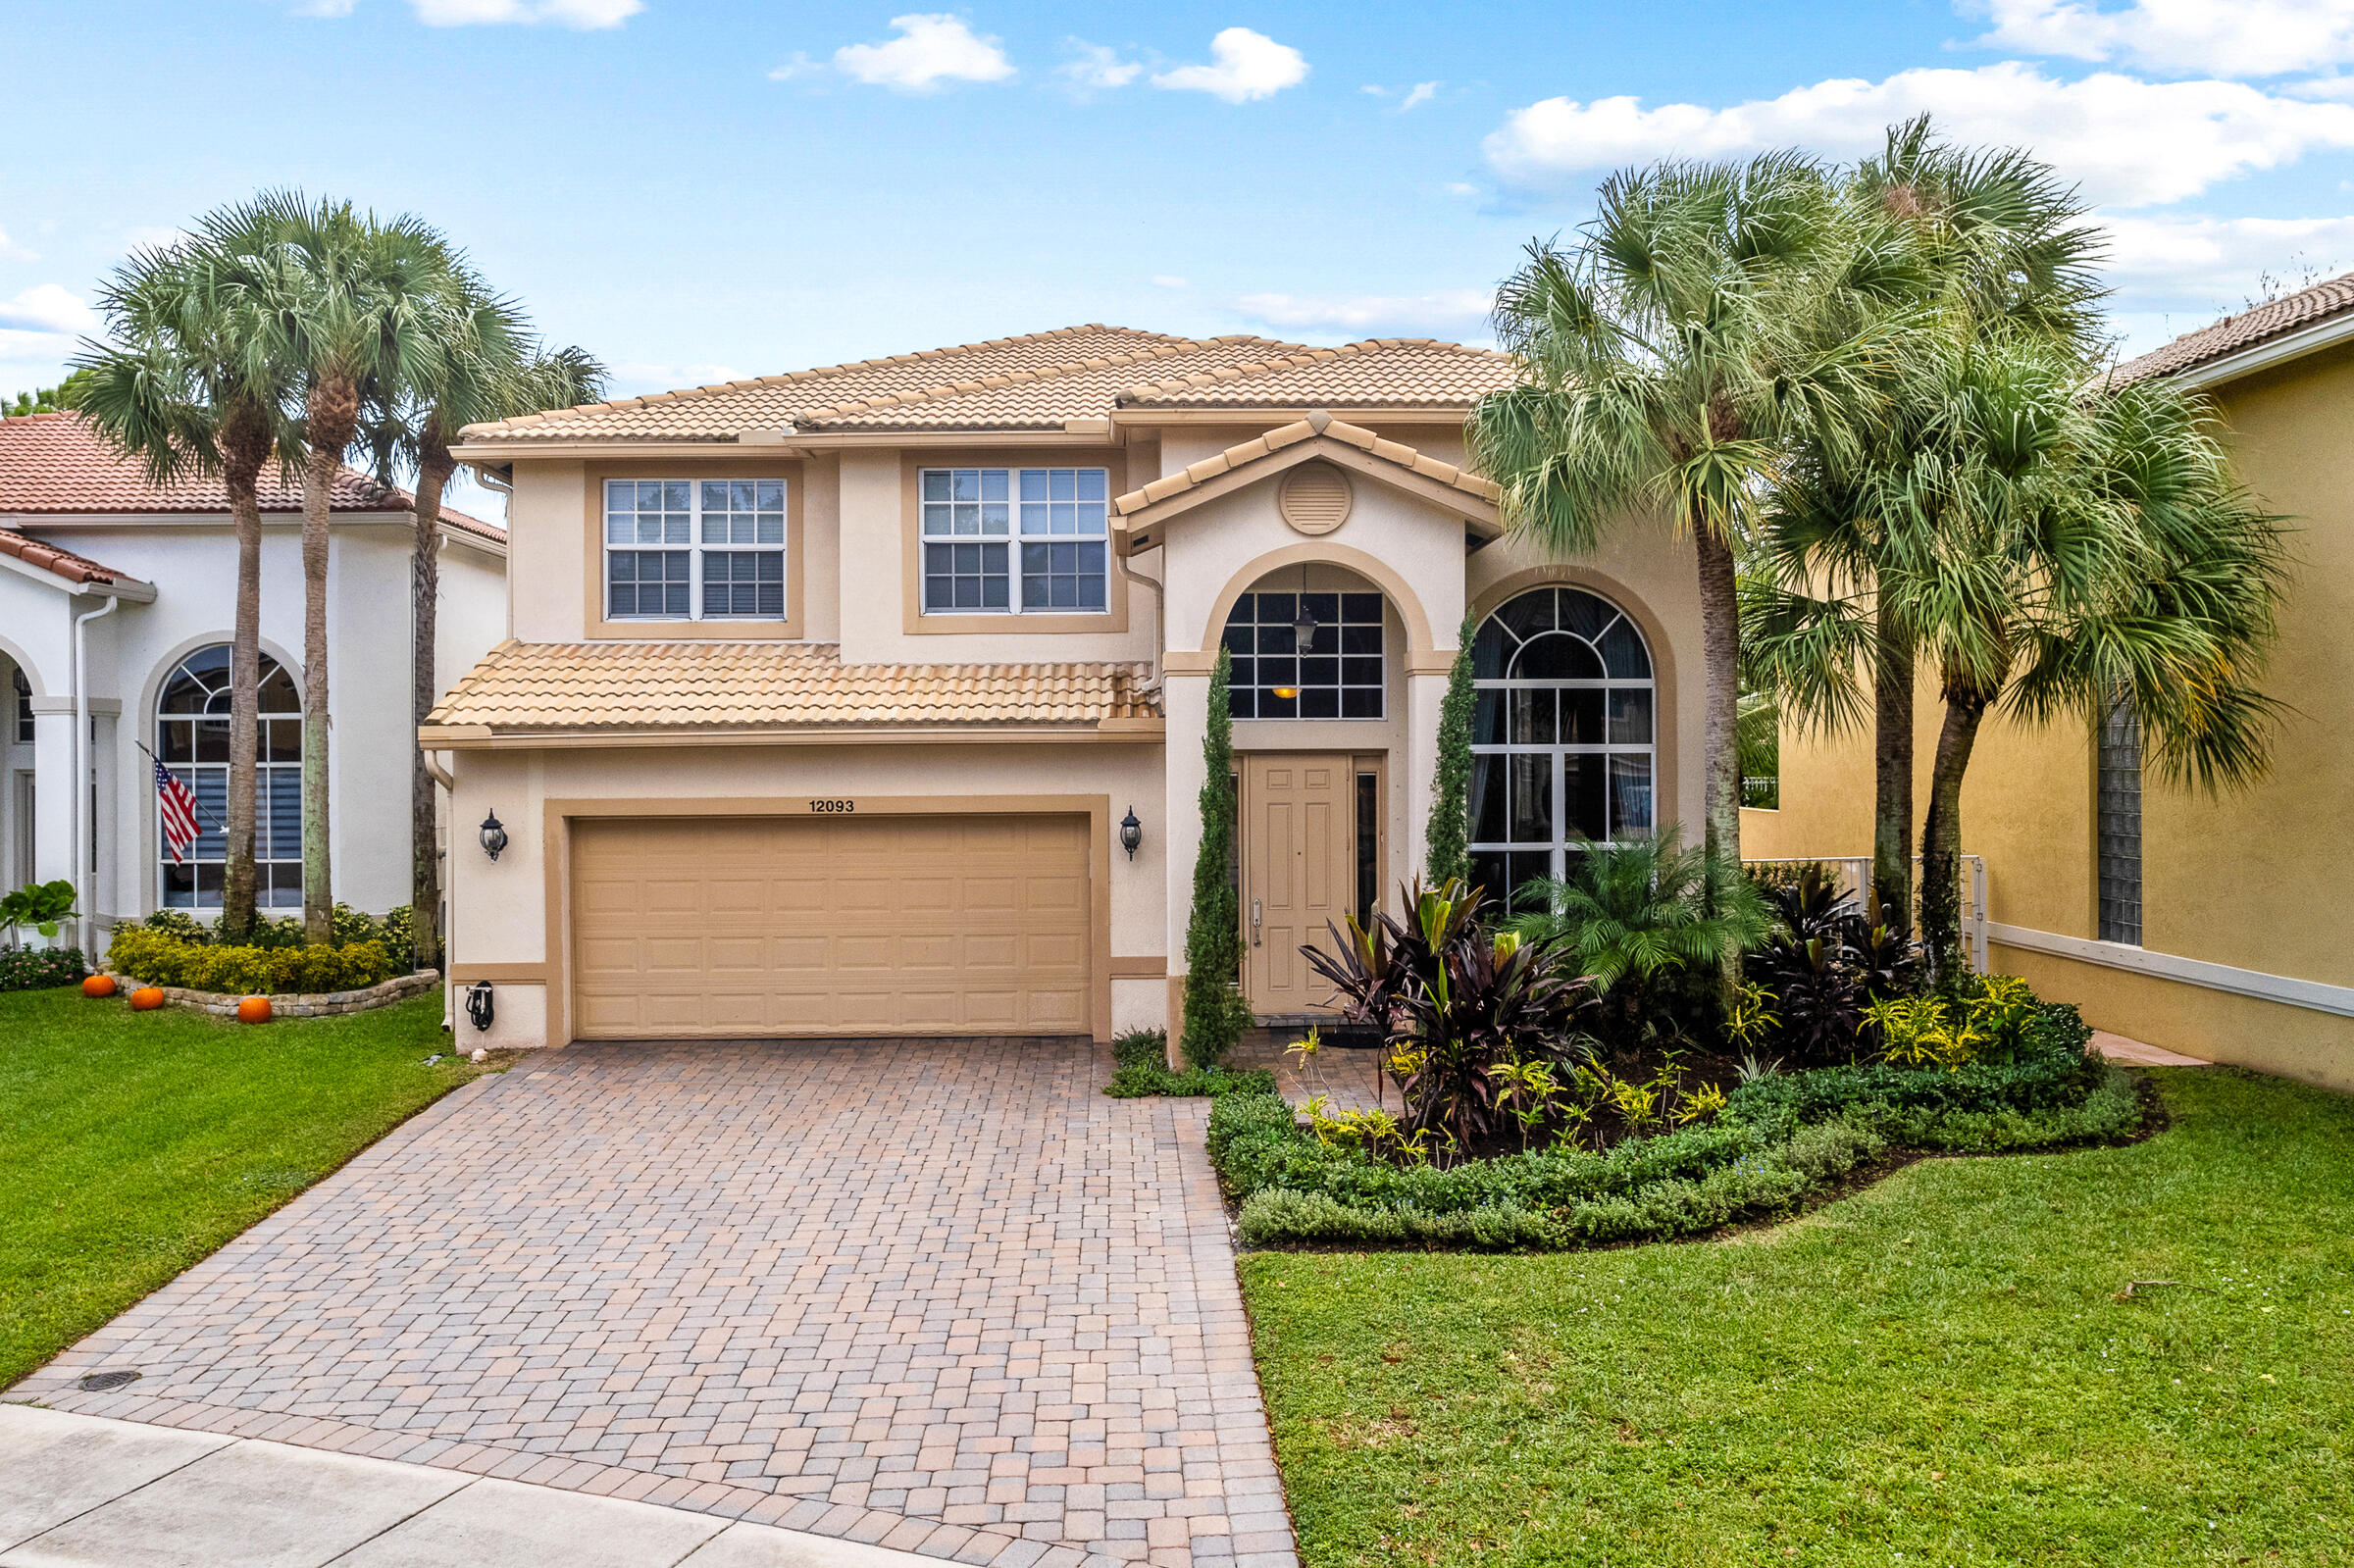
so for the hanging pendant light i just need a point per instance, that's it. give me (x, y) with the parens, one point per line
(1304, 625)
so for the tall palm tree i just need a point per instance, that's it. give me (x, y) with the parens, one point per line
(484, 364)
(357, 307)
(1707, 313)
(1997, 249)
(187, 382)
(2071, 554)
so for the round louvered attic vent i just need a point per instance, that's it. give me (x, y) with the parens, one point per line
(1314, 498)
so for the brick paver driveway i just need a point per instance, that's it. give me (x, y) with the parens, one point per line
(937, 1295)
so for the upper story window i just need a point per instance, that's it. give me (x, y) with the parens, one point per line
(975, 521)
(1334, 671)
(695, 549)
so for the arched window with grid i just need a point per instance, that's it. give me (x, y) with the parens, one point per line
(1563, 749)
(191, 737)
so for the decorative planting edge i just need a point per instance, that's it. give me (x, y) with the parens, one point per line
(321, 1004)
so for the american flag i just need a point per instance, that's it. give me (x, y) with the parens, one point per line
(180, 812)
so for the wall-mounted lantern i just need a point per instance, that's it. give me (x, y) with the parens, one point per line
(494, 834)
(1132, 833)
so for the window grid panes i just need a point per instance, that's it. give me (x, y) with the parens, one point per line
(1563, 749)
(978, 523)
(2118, 802)
(695, 550)
(1339, 675)
(24, 706)
(191, 739)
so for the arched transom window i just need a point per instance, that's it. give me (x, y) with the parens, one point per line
(1562, 751)
(191, 737)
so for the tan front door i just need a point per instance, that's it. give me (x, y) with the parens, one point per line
(1299, 848)
(885, 925)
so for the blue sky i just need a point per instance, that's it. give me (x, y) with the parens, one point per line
(703, 188)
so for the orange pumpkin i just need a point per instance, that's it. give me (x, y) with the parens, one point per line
(146, 999)
(98, 985)
(254, 1010)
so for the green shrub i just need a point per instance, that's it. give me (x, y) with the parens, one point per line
(30, 969)
(160, 959)
(178, 925)
(1140, 1047)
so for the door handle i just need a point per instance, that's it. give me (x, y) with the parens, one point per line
(1254, 913)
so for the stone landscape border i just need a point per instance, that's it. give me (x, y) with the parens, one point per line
(319, 1004)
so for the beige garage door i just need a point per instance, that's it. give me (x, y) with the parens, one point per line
(885, 925)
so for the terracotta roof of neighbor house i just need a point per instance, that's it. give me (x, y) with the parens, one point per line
(59, 463)
(2250, 329)
(1042, 381)
(58, 563)
(1317, 422)
(774, 685)
(1377, 372)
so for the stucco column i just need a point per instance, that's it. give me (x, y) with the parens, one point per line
(1420, 765)
(1184, 700)
(52, 789)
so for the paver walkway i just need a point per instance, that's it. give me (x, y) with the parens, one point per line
(939, 1296)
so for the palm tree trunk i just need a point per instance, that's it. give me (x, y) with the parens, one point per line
(245, 447)
(1892, 782)
(1941, 839)
(433, 470)
(1720, 650)
(333, 413)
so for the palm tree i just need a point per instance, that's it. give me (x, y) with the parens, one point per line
(484, 364)
(1996, 248)
(1707, 313)
(188, 383)
(355, 308)
(2072, 554)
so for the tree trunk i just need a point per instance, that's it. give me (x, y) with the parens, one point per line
(1941, 840)
(245, 447)
(1720, 650)
(1892, 784)
(331, 415)
(433, 470)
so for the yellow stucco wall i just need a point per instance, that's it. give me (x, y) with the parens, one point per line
(2254, 879)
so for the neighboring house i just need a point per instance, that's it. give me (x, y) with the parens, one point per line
(2208, 923)
(149, 577)
(828, 692)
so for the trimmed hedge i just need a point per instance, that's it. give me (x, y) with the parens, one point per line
(1779, 1140)
(162, 959)
(1144, 1071)
(39, 968)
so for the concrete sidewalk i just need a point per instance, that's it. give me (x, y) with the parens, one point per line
(81, 1491)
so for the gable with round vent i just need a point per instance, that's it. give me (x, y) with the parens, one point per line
(1314, 498)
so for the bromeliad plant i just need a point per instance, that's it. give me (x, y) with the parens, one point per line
(1466, 1008)
(1825, 967)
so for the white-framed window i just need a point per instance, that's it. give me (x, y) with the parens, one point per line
(1014, 540)
(1562, 735)
(191, 739)
(23, 690)
(1339, 672)
(695, 549)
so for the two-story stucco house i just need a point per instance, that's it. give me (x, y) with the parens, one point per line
(118, 600)
(828, 693)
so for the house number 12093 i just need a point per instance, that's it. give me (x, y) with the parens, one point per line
(838, 807)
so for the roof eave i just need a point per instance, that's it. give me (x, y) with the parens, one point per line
(502, 737)
(2263, 356)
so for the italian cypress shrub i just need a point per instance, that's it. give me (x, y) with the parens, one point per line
(1450, 833)
(1216, 1014)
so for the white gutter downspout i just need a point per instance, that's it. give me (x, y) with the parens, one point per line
(79, 753)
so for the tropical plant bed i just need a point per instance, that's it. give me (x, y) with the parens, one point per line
(297, 1005)
(1966, 1364)
(1780, 1143)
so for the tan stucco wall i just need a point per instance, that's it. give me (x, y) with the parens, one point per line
(2251, 878)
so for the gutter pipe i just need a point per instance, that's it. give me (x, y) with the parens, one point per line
(80, 755)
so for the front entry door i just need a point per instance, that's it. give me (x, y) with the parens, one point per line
(1299, 845)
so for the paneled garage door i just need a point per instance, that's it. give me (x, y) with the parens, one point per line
(883, 924)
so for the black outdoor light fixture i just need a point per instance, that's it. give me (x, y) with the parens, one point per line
(1304, 625)
(494, 834)
(1132, 833)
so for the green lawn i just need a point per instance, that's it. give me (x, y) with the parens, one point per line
(132, 1145)
(1936, 1371)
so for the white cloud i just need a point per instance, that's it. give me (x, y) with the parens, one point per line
(930, 49)
(2216, 263)
(1169, 281)
(1096, 66)
(323, 8)
(2128, 142)
(581, 14)
(1421, 93)
(10, 250)
(2190, 37)
(1458, 187)
(1248, 65)
(793, 69)
(1445, 313)
(47, 308)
